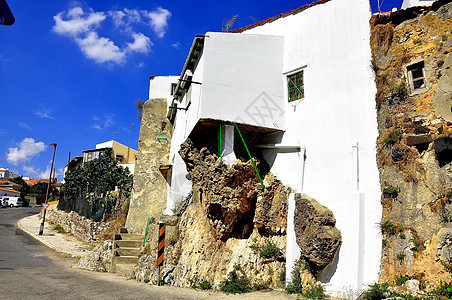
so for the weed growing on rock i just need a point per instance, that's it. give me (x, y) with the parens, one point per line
(205, 285)
(270, 250)
(295, 286)
(260, 286)
(282, 276)
(388, 228)
(60, 229)
(317, 292)
(376, 291)
(400, 256)
(402, 279)
(235, 283)
(402, 236)
(444, 290)
(393, 136)
(400, 90)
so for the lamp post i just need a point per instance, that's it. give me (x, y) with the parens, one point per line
(41, 228)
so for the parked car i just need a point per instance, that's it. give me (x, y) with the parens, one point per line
(11, 201)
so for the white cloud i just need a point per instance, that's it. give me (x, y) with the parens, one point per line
(100, 49)
(36, 173)
(44, 113)
(123, 19)
(175, 45)
(83, 26)
(27, 149)
(158, 20)
(141, 43)
(104, 122)
(24, 125)
(77, 24)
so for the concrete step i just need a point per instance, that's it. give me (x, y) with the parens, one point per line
(128, 244)
(125, 269)
(129, 236)
(127, 252)
(133, 260)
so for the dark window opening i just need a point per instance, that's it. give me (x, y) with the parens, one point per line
(416, 76)
(295, 86)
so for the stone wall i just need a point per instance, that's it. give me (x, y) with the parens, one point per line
(83, 228)
(415, 128)
(149, 184)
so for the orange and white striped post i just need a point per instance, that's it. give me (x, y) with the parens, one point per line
(161, 247)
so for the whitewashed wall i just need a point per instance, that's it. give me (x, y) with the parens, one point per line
(241, 72)
(337, 113)
(411, 3)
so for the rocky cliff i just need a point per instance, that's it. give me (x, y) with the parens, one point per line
(414, 147)
(230, 220)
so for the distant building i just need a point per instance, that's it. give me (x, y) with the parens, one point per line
(5, 173)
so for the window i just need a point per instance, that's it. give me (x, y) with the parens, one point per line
(173, 88)
(416, 76)
(295, 86)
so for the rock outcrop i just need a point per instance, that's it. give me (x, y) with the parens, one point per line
(415, 126)
(315, 231)
(230, 220)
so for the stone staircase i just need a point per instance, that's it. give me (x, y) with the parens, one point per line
(126, 252)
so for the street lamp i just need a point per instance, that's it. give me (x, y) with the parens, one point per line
(41, 228)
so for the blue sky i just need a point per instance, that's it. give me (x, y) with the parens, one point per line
(70, 71)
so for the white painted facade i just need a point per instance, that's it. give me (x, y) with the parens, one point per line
(332, 131)
(410, 3)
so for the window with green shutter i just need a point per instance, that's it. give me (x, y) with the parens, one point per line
(295, 86)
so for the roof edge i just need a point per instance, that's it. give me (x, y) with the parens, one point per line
(269, 20)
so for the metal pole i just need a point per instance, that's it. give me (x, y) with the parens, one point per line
(41, 228)
(128, 143)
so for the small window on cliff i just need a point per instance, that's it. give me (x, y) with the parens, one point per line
(295, 86)
(416, 76)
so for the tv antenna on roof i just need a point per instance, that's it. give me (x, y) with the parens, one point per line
(114, 133)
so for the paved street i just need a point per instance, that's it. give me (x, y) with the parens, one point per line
(30, 270)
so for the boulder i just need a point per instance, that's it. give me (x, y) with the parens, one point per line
(315, 232)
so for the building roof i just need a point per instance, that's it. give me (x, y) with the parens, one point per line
(9, 182)
(9, 190)
(31, 181)
(399, 16)
(292, 12)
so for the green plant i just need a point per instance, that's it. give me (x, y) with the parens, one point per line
(392, 190)
(317, 292)
(235, 283)
(193, 281)
(388, 228)
(255, 245)
(393, 137)
(400, 91)
(444, 289)
(59, 229)
(205, 285)
(401, 229)
(400, 256)
(384, 242)
(270, 250)
(282, 276)
(402, 236)
(376, 291)
(295, 286)
(260, 286)
(402, 279)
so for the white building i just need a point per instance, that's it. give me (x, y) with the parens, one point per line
(299, 87)
(6, 173)
(410, 3)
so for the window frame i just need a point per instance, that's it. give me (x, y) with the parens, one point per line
(412, 68)
(297, 91)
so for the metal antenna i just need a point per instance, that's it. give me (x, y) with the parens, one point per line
(114, 133)
(253, 19)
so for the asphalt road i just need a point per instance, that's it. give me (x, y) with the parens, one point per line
(30, 270)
